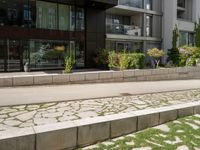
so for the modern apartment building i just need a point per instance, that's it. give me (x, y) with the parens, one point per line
(137, 25)
(40, 32)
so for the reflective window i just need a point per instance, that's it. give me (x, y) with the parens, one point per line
(46, 15)
(181, 3)
(47, 54)
(41, 14)
(148, 4)
(80, 26)
(148, 25)
(186, 38)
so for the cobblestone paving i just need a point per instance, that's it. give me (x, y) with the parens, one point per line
(182, 134)
(33, 115)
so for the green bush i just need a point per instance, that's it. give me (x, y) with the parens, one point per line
(156, 55)
(188, 55)
(101, 58)
(191, 62)
(182, 60)
(174, 56)
(173, 53)
(126, 60)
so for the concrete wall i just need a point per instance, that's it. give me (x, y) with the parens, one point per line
(103, 77)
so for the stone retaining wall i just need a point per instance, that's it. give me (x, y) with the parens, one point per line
(103, 76)
(80, 133)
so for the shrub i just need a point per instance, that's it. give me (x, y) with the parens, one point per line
(69, 62)
(173, 53)
(197, 35)
(126, 60)
(189, 54)
(156, 55)
(101, 58)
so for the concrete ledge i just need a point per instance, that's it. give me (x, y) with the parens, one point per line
(80, 133)
(92, 130)
(185, 112)
(168, 116)
(56, 136)
(121, 125)
(43, 80)
(6, 81)
(147, 121)
(22, 81)
(103, 76)
(20, 139)
(60, 79)
(75, 77)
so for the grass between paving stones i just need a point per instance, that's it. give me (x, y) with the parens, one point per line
(171, 136)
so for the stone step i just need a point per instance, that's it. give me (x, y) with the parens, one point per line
(84, 132)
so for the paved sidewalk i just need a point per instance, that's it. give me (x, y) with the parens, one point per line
(40, 94)
(14, 117)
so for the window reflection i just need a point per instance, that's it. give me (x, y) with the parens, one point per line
(41, 14)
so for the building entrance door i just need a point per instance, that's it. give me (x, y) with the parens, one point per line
(14, 56)
(2, 55)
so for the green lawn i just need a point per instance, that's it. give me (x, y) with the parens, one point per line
(182, 134)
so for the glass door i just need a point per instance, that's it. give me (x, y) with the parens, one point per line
(14, 59)
(2, 55)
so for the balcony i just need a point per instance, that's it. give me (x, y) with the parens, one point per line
(123, 29)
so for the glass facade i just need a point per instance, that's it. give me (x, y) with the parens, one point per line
(40, 51)
(41, 14)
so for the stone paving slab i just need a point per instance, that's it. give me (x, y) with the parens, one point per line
(22, 116)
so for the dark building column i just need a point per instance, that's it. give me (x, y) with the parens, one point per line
(95, 12)
(95, 33)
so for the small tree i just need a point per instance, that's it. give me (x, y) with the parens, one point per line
(156, 55)
(173, 53)
(197, 34)
(69, 61)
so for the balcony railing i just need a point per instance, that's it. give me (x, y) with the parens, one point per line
(124, 29)
(132, 3)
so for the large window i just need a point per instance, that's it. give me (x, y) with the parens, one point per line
(181, 3)
(41, 14)
(186, 38)
(17, 13)
(148, 4)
